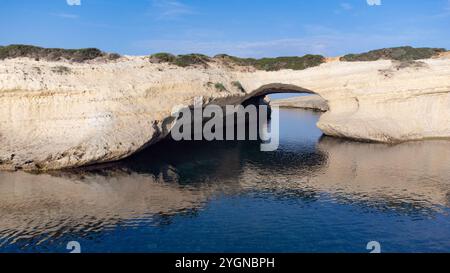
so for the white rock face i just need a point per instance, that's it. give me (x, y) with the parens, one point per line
(53, 118)
(311, 102)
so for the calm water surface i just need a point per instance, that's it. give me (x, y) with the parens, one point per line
(315, 194)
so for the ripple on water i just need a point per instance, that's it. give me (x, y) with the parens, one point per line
(313, 194)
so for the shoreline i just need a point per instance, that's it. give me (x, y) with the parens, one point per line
(58, 115)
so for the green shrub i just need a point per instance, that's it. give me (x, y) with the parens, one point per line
(275, 64)
(410, 64)
(181, 60)
(268, 64)
(220, 87)
(61, 69)
(81, 55)
(405, 53)
(295, 63)
(238, 85)
(50, 54)
(236, 60)
(192, 59)
(113, 56)
(14, 51)
(162, 58)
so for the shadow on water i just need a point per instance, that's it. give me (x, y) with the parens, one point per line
(187, 179)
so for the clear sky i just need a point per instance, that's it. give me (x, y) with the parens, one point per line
(252, 28)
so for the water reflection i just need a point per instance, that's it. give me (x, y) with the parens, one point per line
(413, 175)
(182, 178)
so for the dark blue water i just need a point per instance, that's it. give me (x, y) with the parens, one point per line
(314, 194)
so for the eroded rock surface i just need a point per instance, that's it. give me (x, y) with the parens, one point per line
(311, 102)
(57, 114)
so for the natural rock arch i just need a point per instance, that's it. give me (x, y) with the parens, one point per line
(274, 88)
(257, 96)
(101, 113)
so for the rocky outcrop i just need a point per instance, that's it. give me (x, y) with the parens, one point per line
(311, 102)
(58, 114)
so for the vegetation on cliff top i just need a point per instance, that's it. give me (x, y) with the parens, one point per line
(181, 60)
(192, 59)
(275, 64)
(405, 53)
(54, 54)
(267, 64)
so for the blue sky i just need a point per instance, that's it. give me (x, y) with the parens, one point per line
(251, 28)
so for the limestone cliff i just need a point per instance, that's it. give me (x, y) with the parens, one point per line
(311, 102)
(58, 114)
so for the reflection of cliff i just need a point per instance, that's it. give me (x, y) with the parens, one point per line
(44, 205)
(173, 178)
(165, 180)
(409, 177)
(415, 172)
(405, 177)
